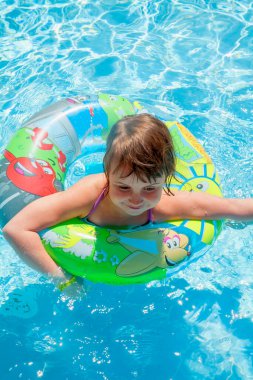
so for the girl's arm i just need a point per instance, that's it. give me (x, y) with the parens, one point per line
(196, 205)
(21, 230)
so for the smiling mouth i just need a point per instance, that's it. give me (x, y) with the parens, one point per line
(21, 169)
(135, 207)
(170, 263)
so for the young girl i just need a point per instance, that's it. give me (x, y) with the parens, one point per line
(139, 160)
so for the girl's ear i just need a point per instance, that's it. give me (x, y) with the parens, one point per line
(138, 263)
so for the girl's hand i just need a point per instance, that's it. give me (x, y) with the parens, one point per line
(71, 287)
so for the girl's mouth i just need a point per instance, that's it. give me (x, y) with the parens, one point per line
(134, 207)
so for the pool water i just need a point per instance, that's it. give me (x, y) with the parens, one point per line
(193, 58)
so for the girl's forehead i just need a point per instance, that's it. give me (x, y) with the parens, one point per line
(124, 176)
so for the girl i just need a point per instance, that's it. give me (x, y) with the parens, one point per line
(139, 159)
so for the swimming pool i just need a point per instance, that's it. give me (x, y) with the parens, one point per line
(194, 58)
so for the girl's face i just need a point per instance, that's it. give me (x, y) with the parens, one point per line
(132, 195)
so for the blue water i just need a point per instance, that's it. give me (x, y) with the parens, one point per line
(195, 59)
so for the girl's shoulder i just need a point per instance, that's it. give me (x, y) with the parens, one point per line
(86, 191)
(169, 206)
(92, 181)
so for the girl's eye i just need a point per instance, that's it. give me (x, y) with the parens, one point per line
(149, 189)
(123, 188)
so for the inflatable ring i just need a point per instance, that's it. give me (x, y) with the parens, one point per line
(34, 164)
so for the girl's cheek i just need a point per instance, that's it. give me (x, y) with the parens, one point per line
(118, 194)
(154, 196)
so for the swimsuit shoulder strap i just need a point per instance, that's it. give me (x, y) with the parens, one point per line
(96, 203)
(150, 216)
(99, 199)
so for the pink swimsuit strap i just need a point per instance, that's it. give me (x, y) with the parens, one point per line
(99, 199)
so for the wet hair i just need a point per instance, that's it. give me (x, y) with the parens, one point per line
(142, 144)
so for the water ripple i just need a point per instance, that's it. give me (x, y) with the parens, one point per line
(193, 58)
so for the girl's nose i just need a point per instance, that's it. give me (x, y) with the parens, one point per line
(135, 199)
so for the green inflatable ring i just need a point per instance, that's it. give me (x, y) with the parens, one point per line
(46, 146)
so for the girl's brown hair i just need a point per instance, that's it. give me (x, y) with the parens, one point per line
(143, 144)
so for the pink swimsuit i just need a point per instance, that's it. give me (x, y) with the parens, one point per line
(99, 199)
